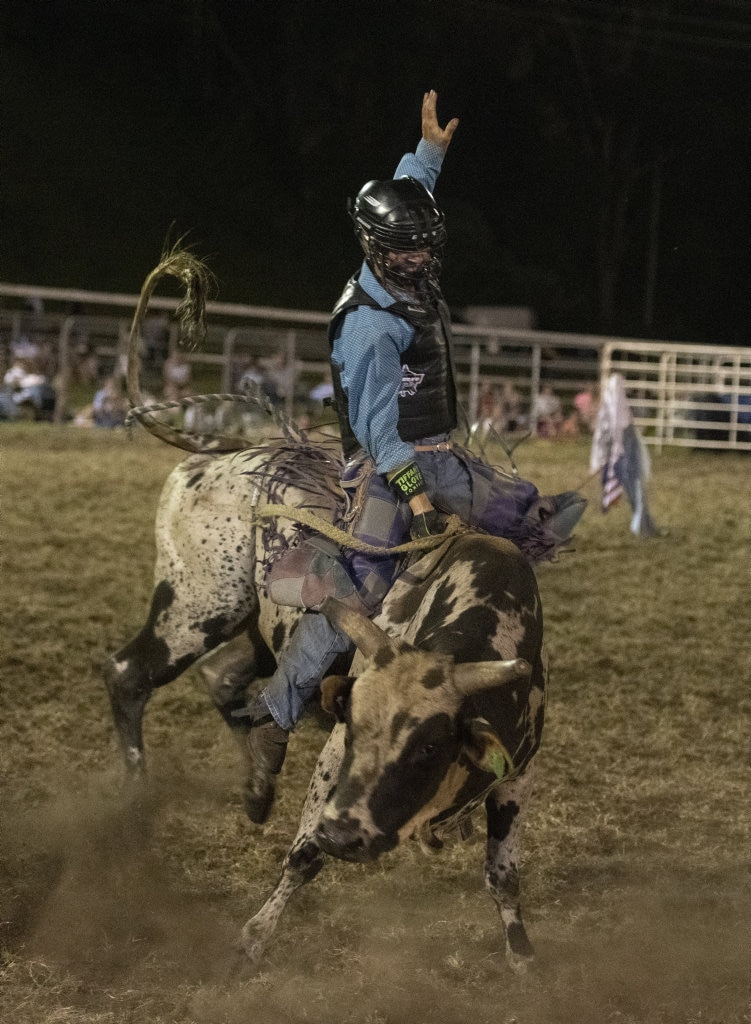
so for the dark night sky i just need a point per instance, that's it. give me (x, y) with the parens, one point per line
(594, 135)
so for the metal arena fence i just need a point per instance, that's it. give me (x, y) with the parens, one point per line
(681, 394)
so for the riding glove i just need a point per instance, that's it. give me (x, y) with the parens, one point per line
(427, 524)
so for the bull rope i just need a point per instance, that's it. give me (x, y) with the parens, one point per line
(183, 403)
(454, 526)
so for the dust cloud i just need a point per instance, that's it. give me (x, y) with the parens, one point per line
(83, 887)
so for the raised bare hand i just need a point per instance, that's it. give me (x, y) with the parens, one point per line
(431, 130)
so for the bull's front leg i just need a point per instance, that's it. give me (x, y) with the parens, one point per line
(301, 865)
(305, 858)
(506, 808)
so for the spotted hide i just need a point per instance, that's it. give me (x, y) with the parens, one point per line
(444, 712)
(208, 581)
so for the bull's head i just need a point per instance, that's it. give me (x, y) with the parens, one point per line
(405, 741)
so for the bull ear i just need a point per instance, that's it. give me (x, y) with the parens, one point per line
(335, 694)
(472, 676)
(370, 639)
(484, 749)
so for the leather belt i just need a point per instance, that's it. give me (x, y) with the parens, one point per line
(439, 446)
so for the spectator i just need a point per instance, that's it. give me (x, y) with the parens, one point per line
(547, 413)
(511, 400)
(586, 404)
(82, 355)
(109, 407)
(26, 392)
(323, 390)
(491, 412)
(284, 375)
(257, 374)
(320, 395)
(500, 408)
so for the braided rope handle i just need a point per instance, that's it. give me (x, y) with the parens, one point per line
(454, 525)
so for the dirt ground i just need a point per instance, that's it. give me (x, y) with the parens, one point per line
(119, 907)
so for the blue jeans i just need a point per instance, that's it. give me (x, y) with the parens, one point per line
(304, 662)
(448, 481)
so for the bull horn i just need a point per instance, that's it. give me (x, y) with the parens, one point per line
(473, 676)
(369, 638)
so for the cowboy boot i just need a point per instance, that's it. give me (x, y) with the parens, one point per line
(267, 747)
(565, 511)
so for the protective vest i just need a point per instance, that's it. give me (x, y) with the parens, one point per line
(427, 396)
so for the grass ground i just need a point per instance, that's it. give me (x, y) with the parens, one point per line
(636, 867)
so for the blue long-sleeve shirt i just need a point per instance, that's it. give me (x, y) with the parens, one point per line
(371, 342)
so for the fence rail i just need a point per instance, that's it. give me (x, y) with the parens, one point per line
(696, 396)
(681, 394)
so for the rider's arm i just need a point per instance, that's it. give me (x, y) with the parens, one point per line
(425, 163)
(367, 352)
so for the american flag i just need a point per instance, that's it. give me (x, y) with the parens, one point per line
(618, 450)
(612, 489)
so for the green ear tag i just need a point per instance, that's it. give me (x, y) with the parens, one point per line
(496, 763)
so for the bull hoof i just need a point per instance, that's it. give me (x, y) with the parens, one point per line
(241, 968)
(519, 964)
(520, 954)
(252, 945)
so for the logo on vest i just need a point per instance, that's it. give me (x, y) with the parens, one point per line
(410, 382)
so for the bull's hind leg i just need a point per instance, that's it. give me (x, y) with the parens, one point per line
(229, 673)
(305, 858)
(506, 808)
(173, 638)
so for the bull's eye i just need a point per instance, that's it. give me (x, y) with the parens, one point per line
(425, 752)
(430, 744)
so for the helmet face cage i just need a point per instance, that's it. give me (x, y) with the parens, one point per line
(400, 216)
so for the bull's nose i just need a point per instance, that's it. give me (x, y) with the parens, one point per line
(341, 837)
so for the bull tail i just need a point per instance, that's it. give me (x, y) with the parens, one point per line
(197, 281)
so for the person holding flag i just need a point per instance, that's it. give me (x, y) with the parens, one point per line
(619, 453)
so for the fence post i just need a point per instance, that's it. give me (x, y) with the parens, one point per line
(62, 377)
(228, 351)
(474, 382)
(534, 386)
(289, 398)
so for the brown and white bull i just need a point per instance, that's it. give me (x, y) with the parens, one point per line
(445, 714)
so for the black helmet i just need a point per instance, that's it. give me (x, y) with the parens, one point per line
(399, 216)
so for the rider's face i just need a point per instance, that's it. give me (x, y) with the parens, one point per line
(408, 263)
